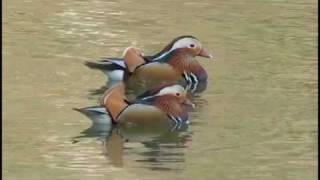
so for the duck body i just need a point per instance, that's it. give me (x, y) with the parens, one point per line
(117, 68)
(165, 105)
(178, 66)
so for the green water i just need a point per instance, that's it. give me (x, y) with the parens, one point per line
(257, 119)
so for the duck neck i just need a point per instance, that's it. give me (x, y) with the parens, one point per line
(181, 62)
(167, 49)
(169, 104)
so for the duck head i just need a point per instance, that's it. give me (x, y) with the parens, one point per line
(173, 101)
(175, 92)
(167, 90)
(190, 43)
(170, 99)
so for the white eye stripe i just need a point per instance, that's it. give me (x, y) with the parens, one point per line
(185, 42)
(171, 90)
(181, 43)
(175, 89)
(148, 97)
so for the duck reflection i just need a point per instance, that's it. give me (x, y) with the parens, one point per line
(163, 144)
(163, 148)
(101, 125)
(165, 152)
(113, 148)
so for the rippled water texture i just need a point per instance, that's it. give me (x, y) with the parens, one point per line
(257, 119)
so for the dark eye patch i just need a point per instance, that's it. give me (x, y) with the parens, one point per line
(192, 45)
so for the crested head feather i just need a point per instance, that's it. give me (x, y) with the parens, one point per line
(154, 90)
(183, 62)
(180, 53)
(170, 46)
(162, 89)
(174, 89)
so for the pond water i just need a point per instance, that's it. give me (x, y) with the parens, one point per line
(257, 118)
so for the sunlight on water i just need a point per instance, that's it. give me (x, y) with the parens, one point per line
(255, 119)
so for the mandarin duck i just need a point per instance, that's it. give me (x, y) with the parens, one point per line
(179, 54)
(163, 103)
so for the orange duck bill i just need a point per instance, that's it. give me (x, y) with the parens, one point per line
(187, 102)
(204, 53)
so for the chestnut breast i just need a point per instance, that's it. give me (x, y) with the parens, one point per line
(186, 63)
(172, 105)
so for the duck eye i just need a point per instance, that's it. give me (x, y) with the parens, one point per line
(192, 45)
(178, 94)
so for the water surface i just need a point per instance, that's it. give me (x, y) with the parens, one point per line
(257, 119)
